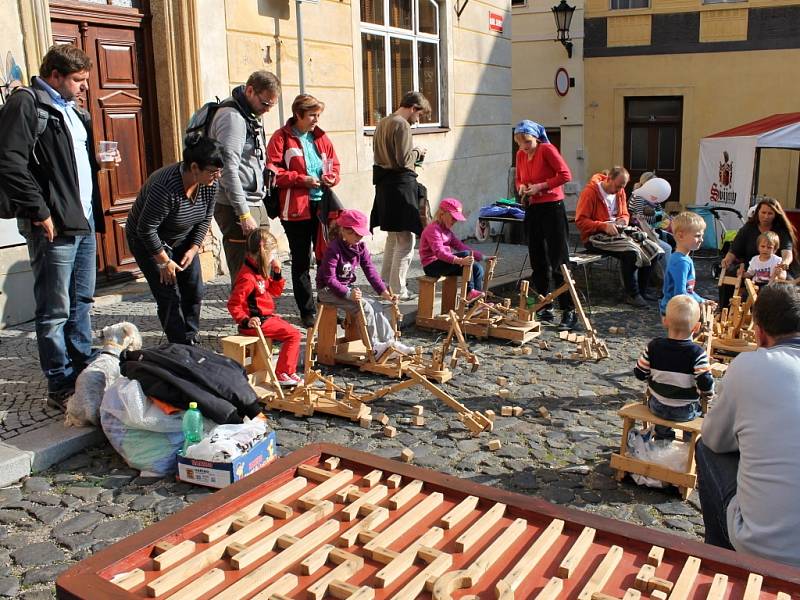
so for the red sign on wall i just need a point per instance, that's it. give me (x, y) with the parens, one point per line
(495, 22)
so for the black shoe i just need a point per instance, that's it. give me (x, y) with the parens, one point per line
(636, 301)
(58, 400)
(546, 314)
(309, 319)
(652, 296)
(569, 319)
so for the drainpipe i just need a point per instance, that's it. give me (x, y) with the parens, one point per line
(300, 57)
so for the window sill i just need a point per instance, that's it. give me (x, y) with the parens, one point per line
(414, 131)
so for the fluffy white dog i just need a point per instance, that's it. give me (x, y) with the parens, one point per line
(83, 407)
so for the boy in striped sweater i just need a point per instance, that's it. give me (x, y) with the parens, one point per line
(675, 368)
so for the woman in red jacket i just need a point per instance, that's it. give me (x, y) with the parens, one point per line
(305, 162)
(540, 174)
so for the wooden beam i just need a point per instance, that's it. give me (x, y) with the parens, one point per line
(602, 574)
(480, 527)
(685, 582)
(576, 553)
(505, 588)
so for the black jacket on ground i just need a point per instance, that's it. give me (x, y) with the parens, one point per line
(179, 374)
(43, 179)
(396, 206)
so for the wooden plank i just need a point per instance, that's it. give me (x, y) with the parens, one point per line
(200, 586)
(252, 510)
(436, 568)
(782, 596)
(552, 591)
(643, 577)
(718, 587)
(753, 589)
(316, 560)
(479, 528)
(407, 521)
(197, 563)
(128, 580)
(372, 478)
(277, 510)
(313, 473)
(602, 574)
(459, 512)
(505, 588)
(373, 496)
(323, 490)
(345, 591)
(279, 588)
(576, 553)
(393, 481)
(174, 555)
(402, 497)
(632, 594)
(265, 545)
(319, 589)
(375, 518)
(496, 550)
(655, 556)
(685, 582)
(255, 578)
(405, 559)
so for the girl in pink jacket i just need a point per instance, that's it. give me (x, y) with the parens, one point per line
(442, 253)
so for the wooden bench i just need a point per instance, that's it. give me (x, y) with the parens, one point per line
(244, 350)
(426, 302)
(686, 479)
(332, 348)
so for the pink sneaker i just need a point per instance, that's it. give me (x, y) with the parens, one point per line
(297, 379)
(474, 295)
(284, 379)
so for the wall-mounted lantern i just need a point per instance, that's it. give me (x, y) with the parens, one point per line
(563, 16)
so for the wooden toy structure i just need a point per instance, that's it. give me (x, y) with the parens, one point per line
(589, 345)
(321, 393)
(730, 332)
(330, 522)
(477, 317)
(685, 479)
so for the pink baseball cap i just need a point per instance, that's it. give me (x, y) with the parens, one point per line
(355, 220)
(452, 206)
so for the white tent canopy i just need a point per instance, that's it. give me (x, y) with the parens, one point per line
(727, 172)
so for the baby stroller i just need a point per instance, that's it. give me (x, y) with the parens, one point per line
(726, 235)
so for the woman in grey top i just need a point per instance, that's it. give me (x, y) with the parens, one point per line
(166, 227)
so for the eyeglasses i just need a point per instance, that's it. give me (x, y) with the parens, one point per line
(266, 103)
(215, 173)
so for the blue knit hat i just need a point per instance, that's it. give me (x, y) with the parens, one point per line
(528, 127)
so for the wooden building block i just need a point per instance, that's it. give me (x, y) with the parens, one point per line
(656, 556)
(393, 481)
(643, 577)
(490, 414)
(563, 335)
(506, 411)
(418, 409)
(544, 412)
(657, 583)
(527, 350)
(365, 422)
(657, 595)
(419, 421)
(504, 394)
(331, 463)
(383, 419)
(372, 478)
(495, 445)
(576, 553)
(501, 381)
(389, 431)
(406, 455)
(518, 410)
(459, 512)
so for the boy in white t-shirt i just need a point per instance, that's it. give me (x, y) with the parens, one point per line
(766, 266)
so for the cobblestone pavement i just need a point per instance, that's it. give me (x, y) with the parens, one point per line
(88, 501)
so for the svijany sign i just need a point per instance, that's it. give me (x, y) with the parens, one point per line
(495, 22)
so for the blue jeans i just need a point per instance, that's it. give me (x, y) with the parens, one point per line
(439, 268)
(716, 482)
(679, 414)
(64, 273)
(178, 304)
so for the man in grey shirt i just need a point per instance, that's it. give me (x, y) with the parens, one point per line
(239, 207)
(748, 459)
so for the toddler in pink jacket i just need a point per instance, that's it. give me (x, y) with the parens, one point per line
(442, 253)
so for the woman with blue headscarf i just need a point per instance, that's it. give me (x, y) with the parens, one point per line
(541, 173)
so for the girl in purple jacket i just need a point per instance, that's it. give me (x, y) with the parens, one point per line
(442, 253)
(336, 278)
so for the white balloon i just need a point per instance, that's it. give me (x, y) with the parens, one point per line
(654, 191)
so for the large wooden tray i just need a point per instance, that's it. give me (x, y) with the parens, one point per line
(417, 527)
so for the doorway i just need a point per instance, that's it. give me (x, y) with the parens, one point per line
(123, 108)
(653, 139)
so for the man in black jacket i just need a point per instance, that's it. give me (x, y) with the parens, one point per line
(52, 179)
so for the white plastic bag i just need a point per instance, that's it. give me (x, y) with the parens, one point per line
(227, 442)
(672, 455)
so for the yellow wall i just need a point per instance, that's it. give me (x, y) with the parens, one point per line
(600, 8)
(720, 91)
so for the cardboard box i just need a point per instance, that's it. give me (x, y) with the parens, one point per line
(222, 474)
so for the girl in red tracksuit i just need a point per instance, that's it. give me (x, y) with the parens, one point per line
(251, 303)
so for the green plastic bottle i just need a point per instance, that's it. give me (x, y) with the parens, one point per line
(192, 426)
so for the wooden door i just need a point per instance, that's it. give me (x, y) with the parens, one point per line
(118, 100)
(653, 139)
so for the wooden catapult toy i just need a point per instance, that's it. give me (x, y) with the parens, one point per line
(477, 317)
(730, 332)
(355, 348)
(330, 522)
(589, 345)
(320, 393)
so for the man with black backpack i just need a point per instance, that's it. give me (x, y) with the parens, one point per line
(49, 175)
(236, 124)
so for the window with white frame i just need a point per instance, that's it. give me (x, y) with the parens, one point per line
(620, 4)
(400, 53)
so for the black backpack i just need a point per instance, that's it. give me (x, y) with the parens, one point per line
(8, 208)
(200, 121)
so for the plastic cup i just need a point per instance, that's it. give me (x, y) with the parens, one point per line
(108, 154)
(327, 166)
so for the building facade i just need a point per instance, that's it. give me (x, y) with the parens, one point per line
(663, 74)
(157, 61)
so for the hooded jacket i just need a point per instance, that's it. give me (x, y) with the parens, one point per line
(42, 178)
(252, 294)
(337, 271)
(285, 155)
(592, 214)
